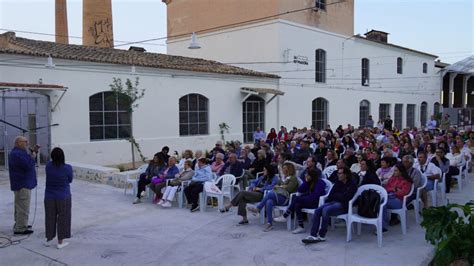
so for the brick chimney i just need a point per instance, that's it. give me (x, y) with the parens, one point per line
(376, 35)
(5, 39)
(97, 23)
(62, 32)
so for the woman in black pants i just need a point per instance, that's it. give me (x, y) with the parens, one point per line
(155, 168)
(57, 199)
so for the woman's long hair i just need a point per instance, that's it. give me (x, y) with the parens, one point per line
(57, 157)
(403, 172)
(315, 175)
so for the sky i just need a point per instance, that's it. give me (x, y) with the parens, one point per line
(441, 27)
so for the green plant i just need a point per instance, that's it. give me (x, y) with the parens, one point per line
(121, 167)
(223, 127)
(130, 94)
(451, 230)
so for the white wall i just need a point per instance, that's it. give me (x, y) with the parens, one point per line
(155, 121)
(343, 90)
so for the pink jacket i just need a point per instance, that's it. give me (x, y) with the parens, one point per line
(399, 186)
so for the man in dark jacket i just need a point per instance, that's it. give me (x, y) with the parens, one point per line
(22, 180)
(303, 153)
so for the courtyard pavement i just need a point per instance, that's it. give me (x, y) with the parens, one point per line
(108, 230)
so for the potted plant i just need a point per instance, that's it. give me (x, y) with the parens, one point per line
(451, 230)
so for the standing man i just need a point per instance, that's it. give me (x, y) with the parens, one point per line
(387, 124)
(22, 180)
(432, 124)
(258, 135)
(369, 122)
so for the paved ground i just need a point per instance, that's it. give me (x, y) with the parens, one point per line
(109, 230)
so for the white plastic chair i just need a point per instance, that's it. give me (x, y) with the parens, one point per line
(441, 185)
(459, 177)
(355, 218)
(417, 201)
(227, 190)
(402, 212)
(283, 209)
(132, 178)
(328, 171)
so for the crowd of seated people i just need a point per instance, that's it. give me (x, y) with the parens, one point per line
(279, 164)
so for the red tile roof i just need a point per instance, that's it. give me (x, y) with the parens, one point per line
(30, 85)
(10, 44)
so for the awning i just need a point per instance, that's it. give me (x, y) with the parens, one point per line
(262, 90)
(9, 86)
(256, 91)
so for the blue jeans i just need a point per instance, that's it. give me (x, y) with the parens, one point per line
(322, 216)
(269, 200)
(392, 203)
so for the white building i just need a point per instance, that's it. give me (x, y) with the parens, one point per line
(329, 75)
(185, 100)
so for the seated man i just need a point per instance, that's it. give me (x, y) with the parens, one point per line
(232, 166)
(310, 165)
(303, 153)
(432, 173)
(202, 174)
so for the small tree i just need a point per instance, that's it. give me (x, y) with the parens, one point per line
(223, 127)
(130, 93)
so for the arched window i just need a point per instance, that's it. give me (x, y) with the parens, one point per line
(320, 113)
(425, 68)
(320, 66)
(193, 115)
(436, 108)
(109, 116)
(423, 113)
(411, 115)
(320, 4)
(365, 78)
(399, 65)
(253, 116)
(364, 112)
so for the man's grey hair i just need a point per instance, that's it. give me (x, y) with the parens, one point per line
(409, 158)
(18, 139)
(220, 155)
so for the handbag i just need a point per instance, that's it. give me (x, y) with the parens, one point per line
(156, 180)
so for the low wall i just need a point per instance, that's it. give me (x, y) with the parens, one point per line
(98, 174)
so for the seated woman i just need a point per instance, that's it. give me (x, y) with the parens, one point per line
(367, 173)
(385, 171)
(310, 190)
(187, 155)
(254, 193)
(455, 160)
(201, 175)
(337, 203)
(159, 182)
(256, 167)
(155, 168)
(218, 164)
(397, 187)
(173, 185)
(279, 196)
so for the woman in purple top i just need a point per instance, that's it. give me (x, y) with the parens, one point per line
(311, 189)
(57, 199)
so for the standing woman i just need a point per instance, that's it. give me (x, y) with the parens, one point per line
(57, 199)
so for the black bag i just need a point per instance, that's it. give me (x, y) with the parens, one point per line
(369, 203)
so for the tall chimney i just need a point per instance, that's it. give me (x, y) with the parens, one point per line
(97, 23)
(61, 22)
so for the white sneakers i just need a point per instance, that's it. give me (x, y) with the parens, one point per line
(166, 204)
(299, 230)
(58, 246)
(137, 200)
(63, 245)
(160, 202)
(280, 219)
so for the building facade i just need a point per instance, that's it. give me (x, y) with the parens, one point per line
(329, 75)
